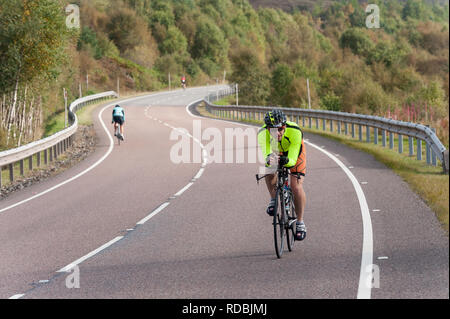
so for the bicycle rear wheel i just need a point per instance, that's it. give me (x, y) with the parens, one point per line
(279, 231)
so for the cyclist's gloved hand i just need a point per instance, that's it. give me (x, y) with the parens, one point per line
(270, 160)
(284, 160)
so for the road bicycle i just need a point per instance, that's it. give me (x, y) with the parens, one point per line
(118, 135)
(284, 218)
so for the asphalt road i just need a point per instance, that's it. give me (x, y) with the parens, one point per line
(196, 229)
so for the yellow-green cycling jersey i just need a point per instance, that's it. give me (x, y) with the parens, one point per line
(290, 144)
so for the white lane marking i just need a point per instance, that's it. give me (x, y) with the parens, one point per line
(96, 251)
(375, 210)
(152, 214)
(185, 188)
(383, 258)
(364, 291)
(89, 168)
(364, 183)
(200, 172)
(92, 253)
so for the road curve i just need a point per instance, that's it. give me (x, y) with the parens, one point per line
(212, 240)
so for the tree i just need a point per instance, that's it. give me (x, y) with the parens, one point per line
(209, 41)
(126, 29)
(32, 39)
(250, 74)
(281, 83)
(357, 41)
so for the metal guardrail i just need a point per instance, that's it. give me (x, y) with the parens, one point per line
(51, 147)
(434, 149)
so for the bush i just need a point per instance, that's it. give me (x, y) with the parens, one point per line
(331, 102)
(357, 41)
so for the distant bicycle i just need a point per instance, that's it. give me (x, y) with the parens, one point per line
(118, 135)
(284, 218)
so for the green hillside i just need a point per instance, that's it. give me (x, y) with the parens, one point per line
(269, 47)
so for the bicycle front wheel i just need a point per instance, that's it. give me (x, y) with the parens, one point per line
(279, 230)
(290, 226)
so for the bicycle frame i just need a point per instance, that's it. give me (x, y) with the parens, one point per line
(282, 221)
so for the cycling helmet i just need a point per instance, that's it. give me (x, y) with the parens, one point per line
(275, 118)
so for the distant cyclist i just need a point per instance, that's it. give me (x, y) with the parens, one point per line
(183, 82)
(288, 137)
(118, 118)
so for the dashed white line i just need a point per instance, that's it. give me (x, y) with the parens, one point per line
(92, 253)
(185, 188)
(152, 214)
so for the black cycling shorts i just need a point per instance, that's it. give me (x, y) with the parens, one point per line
(118, 119)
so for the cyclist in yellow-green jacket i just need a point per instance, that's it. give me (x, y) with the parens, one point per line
(283, 140)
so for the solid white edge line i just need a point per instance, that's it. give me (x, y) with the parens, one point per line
(96, 251)
(89, 168)
(92, 253)
(364, 289)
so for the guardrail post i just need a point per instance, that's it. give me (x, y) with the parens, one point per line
(400, 143)
(30, 163)
(339, 127)
(21, 167)
(310, 122)
(324, 124)
(433, 154)
(411, 146)
(331, 126)
(419, 149)
(383, 138)
(346, 128)
(298, 119)
(391, 140)
(11, 172)
(360, 132)
(317, 123)
(375, 135)
(428, 151)
(303, 121)
(445, 162)
(367, 134)
(38, 159)
(353, 130)
(50, 151)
